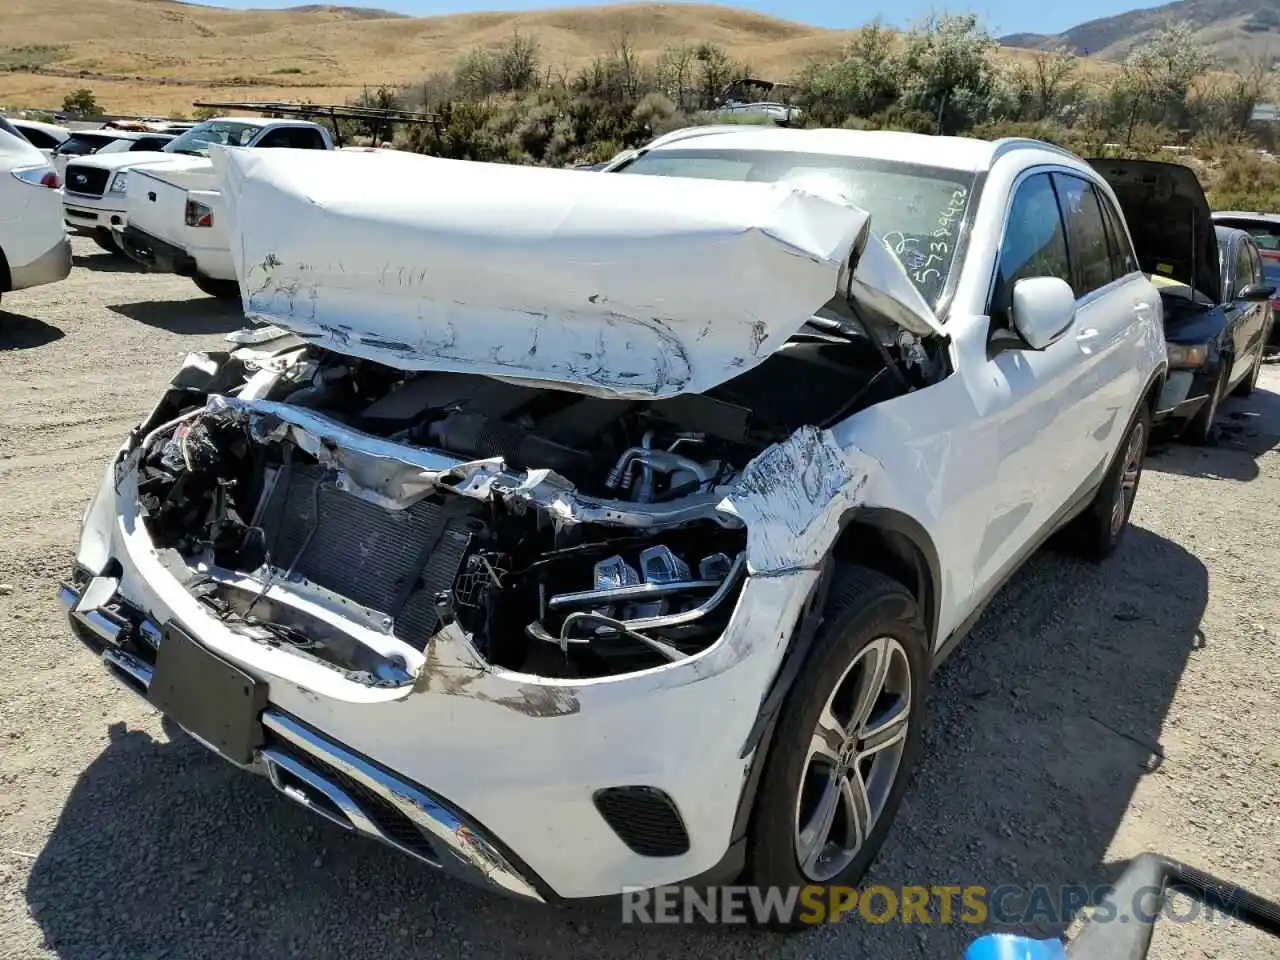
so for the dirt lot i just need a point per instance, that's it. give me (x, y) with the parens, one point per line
(1095, 713)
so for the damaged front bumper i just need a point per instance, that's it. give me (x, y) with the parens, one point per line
(526, 757)
(309, 768)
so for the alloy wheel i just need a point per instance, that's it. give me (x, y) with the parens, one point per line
(1129, 475)
(853, 759)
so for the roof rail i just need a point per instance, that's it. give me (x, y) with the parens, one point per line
(1006, 144)
(686, 133)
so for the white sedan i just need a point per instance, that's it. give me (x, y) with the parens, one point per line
(34, 248)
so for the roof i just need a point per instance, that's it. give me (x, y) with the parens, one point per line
(1246, 215)
(959, 153)
(118, 134)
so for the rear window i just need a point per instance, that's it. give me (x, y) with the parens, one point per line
(80, 144)
(1271, 270)
(10, 129)
(1266, 234)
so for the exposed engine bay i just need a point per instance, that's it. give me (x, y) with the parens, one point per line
(249, 517)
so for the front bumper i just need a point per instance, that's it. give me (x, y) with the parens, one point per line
(523, 755)
(85, 219)
(1185, 392)
(320, 774)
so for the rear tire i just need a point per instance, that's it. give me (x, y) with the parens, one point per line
(1199, 430)
(222, 289)
(848, 734)
(1097, 532)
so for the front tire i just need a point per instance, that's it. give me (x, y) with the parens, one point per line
(1200, 430)
(846, 741)
(107, 243)
(1097, 532)
(1245, 387)
(222, 289)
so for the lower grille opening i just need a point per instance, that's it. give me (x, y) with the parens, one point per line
(645, 819)
(397, 827)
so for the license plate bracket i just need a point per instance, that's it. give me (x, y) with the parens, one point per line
(213, 700)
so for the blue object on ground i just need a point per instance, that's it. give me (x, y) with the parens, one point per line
(1004, 946)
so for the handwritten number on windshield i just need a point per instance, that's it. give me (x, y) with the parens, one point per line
(941, 245)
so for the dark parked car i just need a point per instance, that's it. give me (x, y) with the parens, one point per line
(1217, 305)
(1265, 230)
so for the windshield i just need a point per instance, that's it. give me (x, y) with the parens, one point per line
(197, 140)
(917, 210)
(1266, 234)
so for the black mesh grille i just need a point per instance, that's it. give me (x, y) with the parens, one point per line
(392, 561)
(646, 820)
(91, 181)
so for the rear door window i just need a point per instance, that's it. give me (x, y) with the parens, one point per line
(1123, 259)
(1087, 245)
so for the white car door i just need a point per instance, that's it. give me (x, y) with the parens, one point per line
(1115, 305)
(1030, 428)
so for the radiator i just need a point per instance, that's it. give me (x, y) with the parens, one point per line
(391, 561)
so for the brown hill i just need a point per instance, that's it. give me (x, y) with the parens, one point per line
(1234, 31)
(158, 56)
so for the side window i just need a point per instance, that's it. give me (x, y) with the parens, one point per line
(308, 139)
(1245, 268)
(1086, 236)
(39, 139)
(297, 138)
(1123, 261)
(278, 137)
(1034, 243)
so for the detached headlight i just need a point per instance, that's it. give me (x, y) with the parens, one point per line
(120, 182)
(1187, 357)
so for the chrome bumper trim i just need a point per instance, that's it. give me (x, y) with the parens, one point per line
(441, 826)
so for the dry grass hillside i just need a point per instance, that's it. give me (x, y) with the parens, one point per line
(159, 55)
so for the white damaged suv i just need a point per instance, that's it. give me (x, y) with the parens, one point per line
(574, 533)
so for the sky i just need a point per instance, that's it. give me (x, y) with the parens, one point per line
(1000, 16)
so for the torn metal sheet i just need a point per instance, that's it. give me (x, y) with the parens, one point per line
(540, 275)
(792, 497)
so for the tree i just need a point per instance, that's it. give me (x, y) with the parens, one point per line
(949, 71)
(1045, 87)
(863, 82)
(83, 102)
(1158, 76)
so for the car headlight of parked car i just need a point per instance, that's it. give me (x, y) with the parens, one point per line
(1181, 355)
(120, 182)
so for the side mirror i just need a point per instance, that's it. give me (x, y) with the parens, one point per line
(1256, 293)
(1042, 310)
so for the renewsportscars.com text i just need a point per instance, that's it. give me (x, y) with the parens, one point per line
(941, 904)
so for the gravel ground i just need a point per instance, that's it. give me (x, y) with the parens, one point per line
(1096, 712)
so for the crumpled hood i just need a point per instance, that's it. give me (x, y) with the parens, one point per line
(636, 287)
(1169, 220)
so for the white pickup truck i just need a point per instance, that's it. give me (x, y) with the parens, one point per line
(172, 217)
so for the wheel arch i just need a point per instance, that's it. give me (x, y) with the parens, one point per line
(6, 278)
(882, 539)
